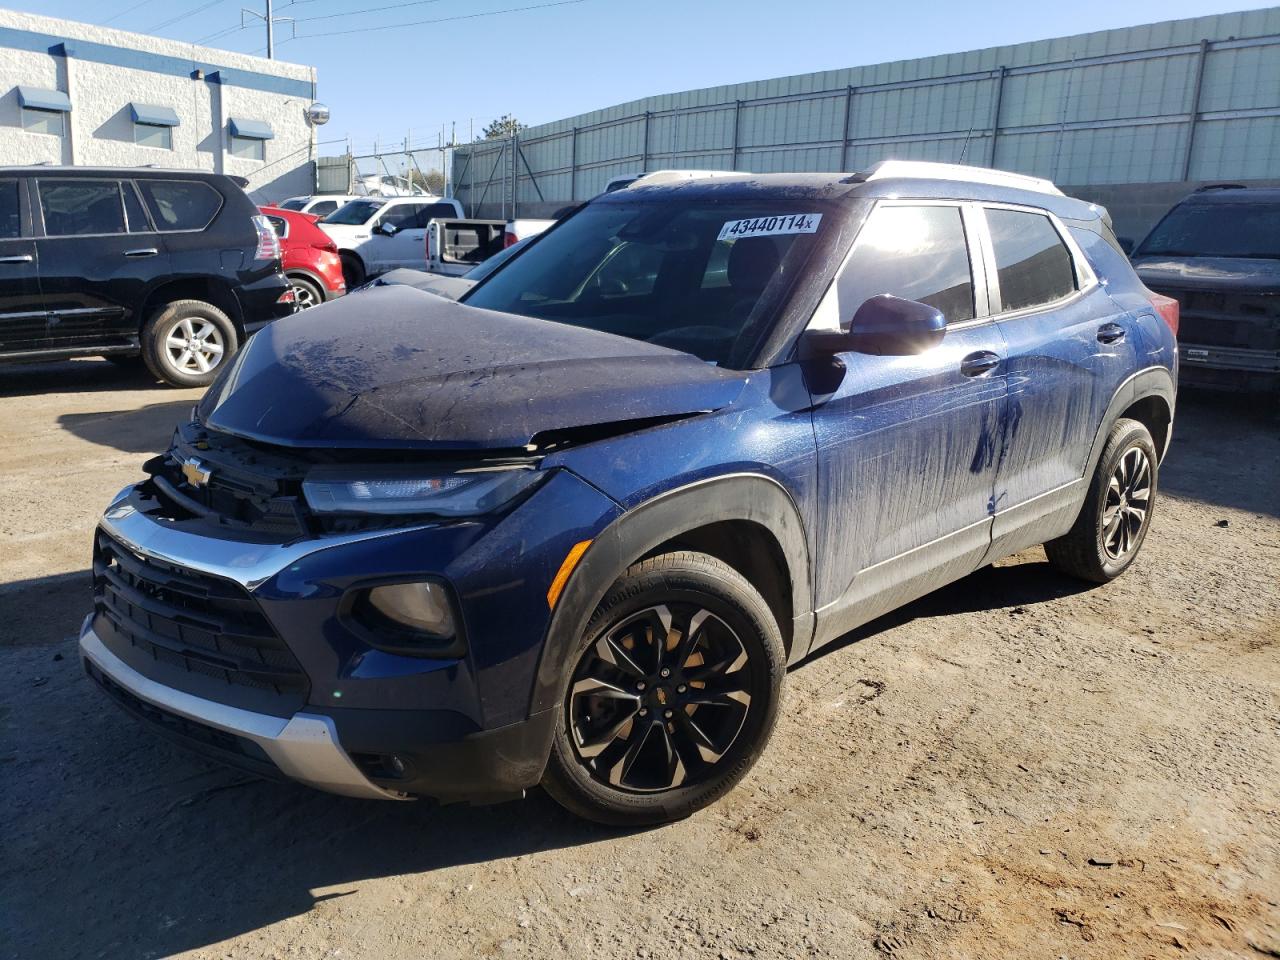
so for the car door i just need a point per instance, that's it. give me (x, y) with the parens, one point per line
(23, 319)
(406, 246)
(1069, 348)
(98, 255)
(906, 445)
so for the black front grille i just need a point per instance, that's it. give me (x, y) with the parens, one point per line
(189, 622)
(1249, 321)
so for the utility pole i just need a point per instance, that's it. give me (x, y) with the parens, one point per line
(270, 19)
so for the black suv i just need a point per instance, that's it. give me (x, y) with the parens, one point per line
(177, 266)
(1217, 252)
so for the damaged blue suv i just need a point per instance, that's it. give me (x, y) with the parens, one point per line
(572, 530)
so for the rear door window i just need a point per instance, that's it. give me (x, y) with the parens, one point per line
(81, 207)
(321, 209)
(181, 204)
(914, 252)
(10, 211)
(1033, 265)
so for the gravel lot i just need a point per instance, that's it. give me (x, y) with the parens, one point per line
(1015, 766)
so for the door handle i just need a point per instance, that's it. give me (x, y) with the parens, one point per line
(1110, 333)
(142, 252)
(21, 258)
(976, 364)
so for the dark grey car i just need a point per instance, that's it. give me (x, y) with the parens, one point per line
(1218, 254)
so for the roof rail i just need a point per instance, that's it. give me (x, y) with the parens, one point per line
(926, 170)
(1220, 186)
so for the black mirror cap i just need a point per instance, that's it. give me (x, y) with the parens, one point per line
(883, 326)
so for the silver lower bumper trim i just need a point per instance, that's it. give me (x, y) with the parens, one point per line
(305, 746)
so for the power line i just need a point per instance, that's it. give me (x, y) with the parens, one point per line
(182, 16)
(126, 10)
(420, 23)
(353, 13)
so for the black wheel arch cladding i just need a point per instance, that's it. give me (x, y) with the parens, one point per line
(753, 498)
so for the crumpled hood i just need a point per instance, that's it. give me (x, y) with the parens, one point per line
(1219, 273)
(393, 367)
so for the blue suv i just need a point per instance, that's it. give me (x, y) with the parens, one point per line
(572, 530)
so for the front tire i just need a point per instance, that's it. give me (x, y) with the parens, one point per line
(1117, 511)
(185, 343)
(672, 695)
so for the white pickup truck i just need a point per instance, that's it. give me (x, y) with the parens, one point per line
(454, 247)
(376, 234)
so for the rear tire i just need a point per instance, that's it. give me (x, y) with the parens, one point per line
(308, 292)
(672, 694)
(186, 343)
(1117, 511)
(353, 271)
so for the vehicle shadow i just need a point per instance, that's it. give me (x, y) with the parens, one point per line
(44, 610)
(74, 376)
(1013, 585)
(140, 430)
(1225, 452)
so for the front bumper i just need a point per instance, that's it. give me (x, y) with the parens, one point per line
(368, 722)
(303, 747)
(1232, 369)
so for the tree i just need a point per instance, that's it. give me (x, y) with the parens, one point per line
(432, 181)
(505, 126)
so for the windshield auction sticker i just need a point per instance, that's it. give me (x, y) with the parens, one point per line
(770, 226)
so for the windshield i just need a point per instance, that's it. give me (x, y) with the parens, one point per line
(354, 212)
(483, 269)
(1216, 230)
(705, 277)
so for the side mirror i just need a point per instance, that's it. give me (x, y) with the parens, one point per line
(1126, 244)
(884, 326)
(386, 229)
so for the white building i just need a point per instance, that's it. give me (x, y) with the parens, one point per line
(74, 93)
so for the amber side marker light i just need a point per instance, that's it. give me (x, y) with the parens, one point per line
(562, 575)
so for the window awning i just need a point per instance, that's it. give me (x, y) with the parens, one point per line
(154, 116)
(251, 129)
(33, 98)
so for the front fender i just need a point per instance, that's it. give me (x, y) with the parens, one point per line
(747, 497)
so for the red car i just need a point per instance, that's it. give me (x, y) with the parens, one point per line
(309, 258)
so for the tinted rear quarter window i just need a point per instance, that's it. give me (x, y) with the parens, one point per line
(1033, 265)
(914, 252)
(181, 204)
(323, 208)
(81, 207)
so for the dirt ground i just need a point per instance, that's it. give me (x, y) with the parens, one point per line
(1014, 767)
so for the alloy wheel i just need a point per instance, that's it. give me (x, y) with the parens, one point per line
(304, 296)
(1124, 512)
(194, 345)
(660, 698)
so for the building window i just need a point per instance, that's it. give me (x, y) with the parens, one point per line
(146, 135)
(44, 111)
(249, 138)
(248, 148)
(153, 125)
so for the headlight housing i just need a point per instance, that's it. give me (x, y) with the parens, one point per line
(413, 490)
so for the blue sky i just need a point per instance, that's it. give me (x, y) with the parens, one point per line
(547, 63)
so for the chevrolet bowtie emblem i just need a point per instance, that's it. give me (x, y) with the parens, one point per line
(197, 473)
